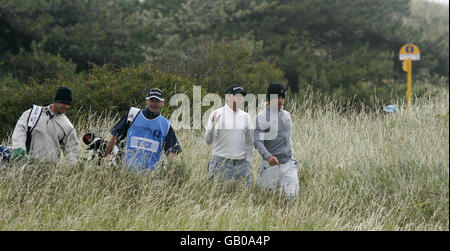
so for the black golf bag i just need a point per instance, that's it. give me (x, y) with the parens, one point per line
(97, 148)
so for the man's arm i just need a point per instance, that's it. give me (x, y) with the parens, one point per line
(259, 134)
(171, 144)
(249, 138)
(210, 132)
(258, 141)
(19, 135)
(71, 146)
(110, 145)
(118, 132)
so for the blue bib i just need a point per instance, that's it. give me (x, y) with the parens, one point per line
(145, 139)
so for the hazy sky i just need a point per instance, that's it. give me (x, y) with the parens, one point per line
(440, 1)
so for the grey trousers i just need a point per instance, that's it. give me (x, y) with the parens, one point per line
(221, 168)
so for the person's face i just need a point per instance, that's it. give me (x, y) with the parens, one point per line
(155, 105)
(277, 102)
(60, 108)
(235, 101)
(238, 100)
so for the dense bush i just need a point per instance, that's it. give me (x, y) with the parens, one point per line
(111, 89)
(78, 31)
(328, 44)
(344, 49)
(104, 89)
(217, 65)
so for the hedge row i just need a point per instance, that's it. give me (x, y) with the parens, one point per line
(103, 89)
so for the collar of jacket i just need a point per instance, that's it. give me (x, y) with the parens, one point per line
(149, 114)
(48, 111)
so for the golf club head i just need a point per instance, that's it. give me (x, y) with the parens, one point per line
(93, 141)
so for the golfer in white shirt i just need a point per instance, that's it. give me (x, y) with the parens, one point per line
(230, 131)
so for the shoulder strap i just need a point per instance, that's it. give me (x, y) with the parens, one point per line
(132, 115)
(33, 118)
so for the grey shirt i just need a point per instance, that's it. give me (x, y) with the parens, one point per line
(278, 142)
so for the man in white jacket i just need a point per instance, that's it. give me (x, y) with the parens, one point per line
(52, 133)
(230, 130)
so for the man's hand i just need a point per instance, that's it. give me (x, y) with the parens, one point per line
(215, 119)
(273, 161)
(170, 157)
(19, 154)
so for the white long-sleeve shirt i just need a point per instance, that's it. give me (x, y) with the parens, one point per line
(232, 136)
(51, 134)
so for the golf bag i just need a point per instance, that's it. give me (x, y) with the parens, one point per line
(96, 147)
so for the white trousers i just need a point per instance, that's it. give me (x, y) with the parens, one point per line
(284, 176)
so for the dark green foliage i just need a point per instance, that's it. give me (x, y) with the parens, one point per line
(79, 31)
(345, 49)
(37, 64)
(104, 89)
(217, 65)
(334, 46)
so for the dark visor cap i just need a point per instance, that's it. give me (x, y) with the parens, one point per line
(236, 89)
(277, 89)
(155, 93)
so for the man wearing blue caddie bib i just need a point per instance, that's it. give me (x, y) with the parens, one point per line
(147, 136)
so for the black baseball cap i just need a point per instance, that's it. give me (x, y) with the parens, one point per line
(276, 88)
(235, 89)
(155, 93)
(63, 95)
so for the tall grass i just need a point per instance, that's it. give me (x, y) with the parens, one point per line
(358, 171)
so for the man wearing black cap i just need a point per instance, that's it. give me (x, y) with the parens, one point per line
(229, 129)
(44, 131)
(273, 141)
(147, 134)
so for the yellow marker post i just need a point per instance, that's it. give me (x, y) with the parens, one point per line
(407, 54)
(407, 66)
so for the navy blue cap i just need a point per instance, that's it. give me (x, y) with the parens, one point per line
(64, 95)
(276, 88)
(155, 93)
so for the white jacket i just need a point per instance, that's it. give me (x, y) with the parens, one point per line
(51, 134)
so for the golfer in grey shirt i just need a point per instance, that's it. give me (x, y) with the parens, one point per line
(273, 141)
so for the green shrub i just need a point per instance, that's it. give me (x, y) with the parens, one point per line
(37, 64)
(216, 65)
(103, 89)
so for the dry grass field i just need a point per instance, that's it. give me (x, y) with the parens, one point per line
(358, 171)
